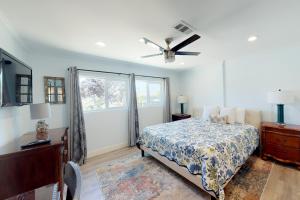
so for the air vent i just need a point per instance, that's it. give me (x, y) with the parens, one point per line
(184, 27)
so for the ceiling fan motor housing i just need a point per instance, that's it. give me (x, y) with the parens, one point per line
(169, 56)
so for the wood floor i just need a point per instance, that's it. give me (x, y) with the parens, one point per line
(283, 182)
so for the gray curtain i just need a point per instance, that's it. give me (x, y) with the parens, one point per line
(133, 117)
(77, 139)
(166, 101)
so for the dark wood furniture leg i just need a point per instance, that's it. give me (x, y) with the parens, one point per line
(143, 153)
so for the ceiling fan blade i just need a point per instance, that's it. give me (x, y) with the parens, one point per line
(152, 55)
(187, 53)
(153, 43)
(186, 42)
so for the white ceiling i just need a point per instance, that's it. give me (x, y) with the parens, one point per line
(76, 25)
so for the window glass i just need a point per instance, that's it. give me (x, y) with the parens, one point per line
(141, 92)
(148, 92)
(92, 90)
(104, 92)
(116, 94)
(154, 93)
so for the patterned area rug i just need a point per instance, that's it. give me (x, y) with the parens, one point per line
(136, 178)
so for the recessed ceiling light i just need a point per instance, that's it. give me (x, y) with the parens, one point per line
(182, 63)
(142, 40)
(252, 38)
(101, 44)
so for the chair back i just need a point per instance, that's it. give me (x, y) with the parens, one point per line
(72, 179)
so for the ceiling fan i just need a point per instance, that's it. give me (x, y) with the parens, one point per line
(169, 53)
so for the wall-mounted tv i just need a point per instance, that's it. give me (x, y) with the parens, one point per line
(15, 81)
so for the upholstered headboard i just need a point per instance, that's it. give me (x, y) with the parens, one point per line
(253, 117)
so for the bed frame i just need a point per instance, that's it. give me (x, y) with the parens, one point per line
(251, 117)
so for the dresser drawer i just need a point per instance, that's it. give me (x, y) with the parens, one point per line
(274, 138)
(282, 153)
(282, 130)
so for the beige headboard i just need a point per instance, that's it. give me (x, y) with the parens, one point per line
(253, 117)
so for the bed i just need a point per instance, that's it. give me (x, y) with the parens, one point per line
(207, 154)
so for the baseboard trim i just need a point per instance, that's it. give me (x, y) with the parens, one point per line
(106, 149)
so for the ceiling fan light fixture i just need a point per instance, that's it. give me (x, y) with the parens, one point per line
(169, 56)
(169, 53)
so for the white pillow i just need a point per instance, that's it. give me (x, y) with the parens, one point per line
(210, 111)
(230, 113)
(240, 115)
(218, 119)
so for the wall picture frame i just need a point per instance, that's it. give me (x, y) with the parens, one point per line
(54, 88)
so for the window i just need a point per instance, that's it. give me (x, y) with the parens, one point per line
(154, 93)
(148, 92)
(102, 92)
(116, 94)
(141, 92)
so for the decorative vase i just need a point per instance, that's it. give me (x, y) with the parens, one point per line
(41, 130)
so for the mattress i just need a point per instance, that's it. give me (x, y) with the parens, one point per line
(211, 150)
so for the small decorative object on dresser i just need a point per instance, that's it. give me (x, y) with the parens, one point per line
(281, 142)
(41, 111)
(182, 100)
(176, 117)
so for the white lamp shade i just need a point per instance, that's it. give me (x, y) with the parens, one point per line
(182, 99)
(40, 111)
(280, 97)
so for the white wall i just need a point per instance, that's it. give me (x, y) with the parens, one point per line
(9, 117)
(251, 69)
(202, 85)
(106, 130)
(248, 79)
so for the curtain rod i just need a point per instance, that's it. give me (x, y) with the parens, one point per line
(107, 72)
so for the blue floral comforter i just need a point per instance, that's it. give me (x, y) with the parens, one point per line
(212, 150)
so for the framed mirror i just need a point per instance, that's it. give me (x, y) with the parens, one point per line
(54, 90)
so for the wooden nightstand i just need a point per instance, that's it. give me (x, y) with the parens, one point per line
(176, 117)
(280, 142)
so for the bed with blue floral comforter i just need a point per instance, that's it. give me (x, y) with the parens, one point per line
(214, 151)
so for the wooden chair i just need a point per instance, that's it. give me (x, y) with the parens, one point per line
(72, 178)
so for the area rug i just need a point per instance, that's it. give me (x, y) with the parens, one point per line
(135, 178)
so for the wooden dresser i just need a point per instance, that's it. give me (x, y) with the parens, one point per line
(24, 170)
(176, 117)
(281, 142)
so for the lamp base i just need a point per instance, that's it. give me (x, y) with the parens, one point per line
(280, 113)
(181, 108)
(42, 130)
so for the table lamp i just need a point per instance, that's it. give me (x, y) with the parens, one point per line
(280, 98)
(40, 111)
(181, 100)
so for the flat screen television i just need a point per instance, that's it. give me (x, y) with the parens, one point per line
(15, 81)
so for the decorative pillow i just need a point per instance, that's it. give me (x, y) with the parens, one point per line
(210, 111)
(230, 113)
(218, 119)
(240, 115)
